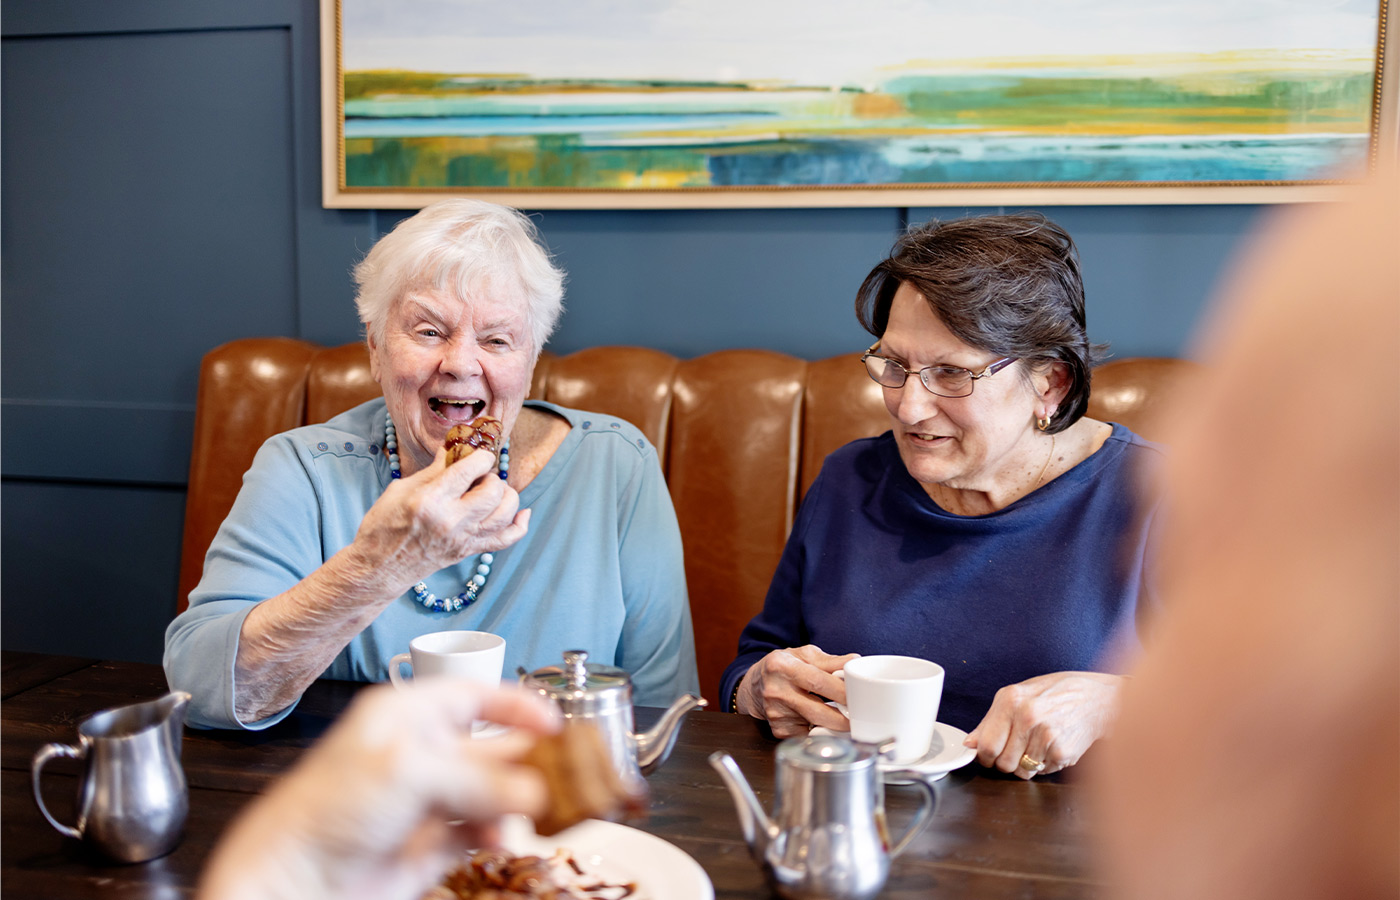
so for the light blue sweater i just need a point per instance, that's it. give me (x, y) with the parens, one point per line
(600, 570)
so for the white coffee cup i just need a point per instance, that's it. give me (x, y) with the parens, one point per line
(894, 697)
(473, 655)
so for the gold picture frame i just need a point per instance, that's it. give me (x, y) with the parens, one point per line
(439, 112)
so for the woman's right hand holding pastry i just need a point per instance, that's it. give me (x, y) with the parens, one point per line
(790, 689)
(438, 517)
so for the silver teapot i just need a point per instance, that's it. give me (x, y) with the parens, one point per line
(827, 836)
(132, 798)
(603, 695)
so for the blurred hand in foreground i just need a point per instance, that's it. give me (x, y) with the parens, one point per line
(388, 799)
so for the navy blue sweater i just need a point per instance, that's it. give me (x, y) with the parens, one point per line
(1054, 582)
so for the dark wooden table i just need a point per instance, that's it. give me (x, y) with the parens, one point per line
(993, 836)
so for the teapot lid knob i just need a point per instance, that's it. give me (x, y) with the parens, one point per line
(578, 680)
(577, 674)
(828, 753)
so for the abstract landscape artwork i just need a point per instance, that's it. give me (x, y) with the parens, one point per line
(826, 102)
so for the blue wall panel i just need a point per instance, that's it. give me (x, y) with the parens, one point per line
(1150, 271)
(90, 570)
(693, 281)
(147, 204)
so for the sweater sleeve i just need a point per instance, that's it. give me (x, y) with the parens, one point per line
(268, 543)
(657, 645)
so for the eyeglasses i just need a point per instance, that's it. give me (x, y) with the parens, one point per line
(943, 381)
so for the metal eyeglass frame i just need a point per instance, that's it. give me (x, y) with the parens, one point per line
(971, 376)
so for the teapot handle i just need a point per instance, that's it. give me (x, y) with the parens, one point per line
(46, 753)
(925, 814)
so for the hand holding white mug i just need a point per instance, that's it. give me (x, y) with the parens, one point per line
(789, 688)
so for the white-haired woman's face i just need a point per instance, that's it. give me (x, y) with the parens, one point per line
(444, 360)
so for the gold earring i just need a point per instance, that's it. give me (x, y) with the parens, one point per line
(1043, 423)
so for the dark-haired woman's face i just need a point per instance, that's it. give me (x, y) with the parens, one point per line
(981, 442)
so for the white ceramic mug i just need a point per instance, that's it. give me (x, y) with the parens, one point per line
(474, 655)
(894, 697)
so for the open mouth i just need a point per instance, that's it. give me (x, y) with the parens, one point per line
(452, 410)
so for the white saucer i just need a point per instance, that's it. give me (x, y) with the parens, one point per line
(945, 753)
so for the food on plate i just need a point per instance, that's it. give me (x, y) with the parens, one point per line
(481, 433)
(500, 875)
(581, 780)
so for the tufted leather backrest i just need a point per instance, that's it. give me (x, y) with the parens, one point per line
(249, 390)
(741, 435)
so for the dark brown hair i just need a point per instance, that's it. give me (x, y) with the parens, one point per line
(1009, 285)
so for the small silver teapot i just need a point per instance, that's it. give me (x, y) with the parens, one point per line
(132, 798)
(603, 694)
(827, 836)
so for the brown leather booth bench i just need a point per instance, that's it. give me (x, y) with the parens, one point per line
(741, 435)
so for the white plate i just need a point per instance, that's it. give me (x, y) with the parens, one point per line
(945, 753)
(617, 853)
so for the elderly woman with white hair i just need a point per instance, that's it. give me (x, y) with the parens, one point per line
(350, 538)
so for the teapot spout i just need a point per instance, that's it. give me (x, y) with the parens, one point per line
(757, 828)
(654, 745)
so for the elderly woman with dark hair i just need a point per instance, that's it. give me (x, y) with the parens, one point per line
(994, 529)
(351, 538)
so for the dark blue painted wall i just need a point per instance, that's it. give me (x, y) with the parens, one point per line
(160, 194)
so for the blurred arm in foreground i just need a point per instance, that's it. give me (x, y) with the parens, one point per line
(1258, 753)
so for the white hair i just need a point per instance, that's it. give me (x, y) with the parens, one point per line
(462, 246)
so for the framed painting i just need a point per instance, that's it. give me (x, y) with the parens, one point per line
(727, 103)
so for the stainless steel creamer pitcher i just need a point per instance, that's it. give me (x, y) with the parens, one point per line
(132, 797)
(826, 838)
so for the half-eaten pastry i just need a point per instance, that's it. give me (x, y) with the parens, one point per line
(481, 433)
(581, 780)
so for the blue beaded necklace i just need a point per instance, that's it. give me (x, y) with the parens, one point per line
(483, 562)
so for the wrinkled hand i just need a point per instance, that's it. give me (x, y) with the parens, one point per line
(437, 517)
(790, 688)
(1052, 718)
(367, 811)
